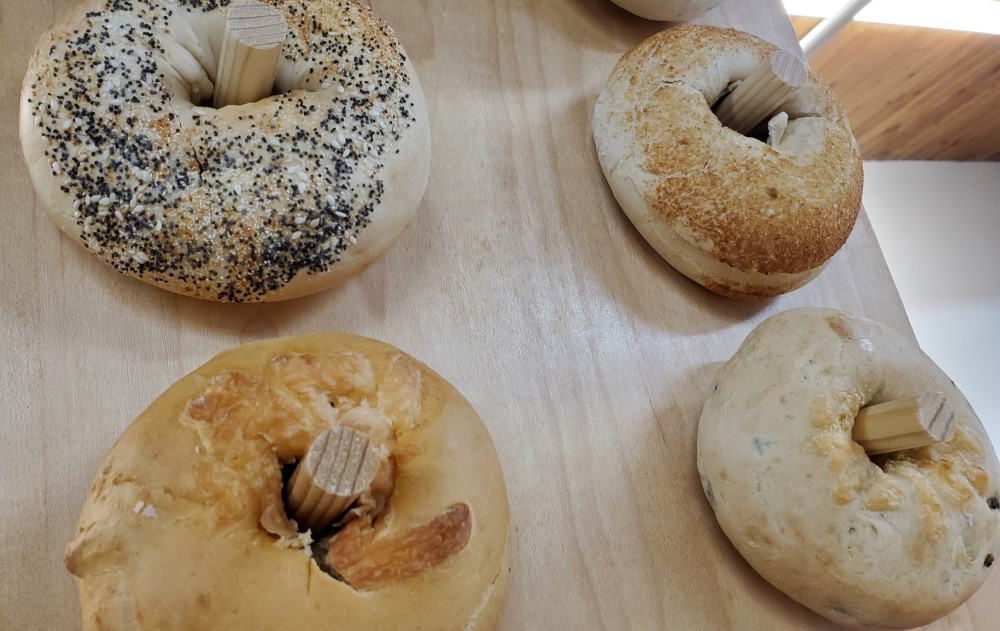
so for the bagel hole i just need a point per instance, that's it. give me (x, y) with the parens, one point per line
(208, 101)
(322, 539)
(287, 471)
(880, 460)
(320, 553)
(883, 461)
(192, 83)
(319, 548)
(760, 132)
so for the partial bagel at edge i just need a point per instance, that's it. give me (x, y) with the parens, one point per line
(667, 10)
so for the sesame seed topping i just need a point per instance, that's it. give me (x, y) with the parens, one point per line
(230, 209)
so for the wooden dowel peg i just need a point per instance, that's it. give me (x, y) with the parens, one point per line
(761, 94)
(248, 58)
(904, 423)
(340, 464)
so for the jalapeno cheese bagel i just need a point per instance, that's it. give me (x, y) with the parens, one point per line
(895, 540)
(185, 527)
(738, 215)
(258, 202)
(667, 9)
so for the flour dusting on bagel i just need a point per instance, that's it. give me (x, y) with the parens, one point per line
(894, 540)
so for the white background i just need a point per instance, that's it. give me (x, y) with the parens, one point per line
(939, 226)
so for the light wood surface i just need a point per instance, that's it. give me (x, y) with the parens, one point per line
(913, 93)
(521, 282)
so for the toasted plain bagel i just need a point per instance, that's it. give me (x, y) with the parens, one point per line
(259, 202)
(733, 213)
(896, 540)
(185, 528)
(672, 10)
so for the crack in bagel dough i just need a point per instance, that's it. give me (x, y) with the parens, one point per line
(265, 201)
(193, 491)
(737, 215)
(890, 541)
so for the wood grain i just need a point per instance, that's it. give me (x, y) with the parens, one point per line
(915, 94)
(250, 50)
(763, 92)
(521, 282)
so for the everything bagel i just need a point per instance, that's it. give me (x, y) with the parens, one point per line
(259, 202)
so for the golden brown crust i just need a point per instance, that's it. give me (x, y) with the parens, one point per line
(754, 208)
(191, 487)
(367, 561)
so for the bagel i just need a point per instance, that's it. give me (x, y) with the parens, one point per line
(185, 529)
(259, 202)
(671, 10)
(735, 214)
(896, 540)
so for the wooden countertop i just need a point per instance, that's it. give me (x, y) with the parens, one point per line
(521, 282)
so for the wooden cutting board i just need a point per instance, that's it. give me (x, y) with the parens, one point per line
(521, 282)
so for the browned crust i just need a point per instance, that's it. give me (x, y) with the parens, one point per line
(204, 458)
(366, 562)
(744, 290)
(729, 181)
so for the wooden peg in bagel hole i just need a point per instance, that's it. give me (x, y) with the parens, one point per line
(762, 93)
(248, 57)
(904, 424)
(340, 464)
